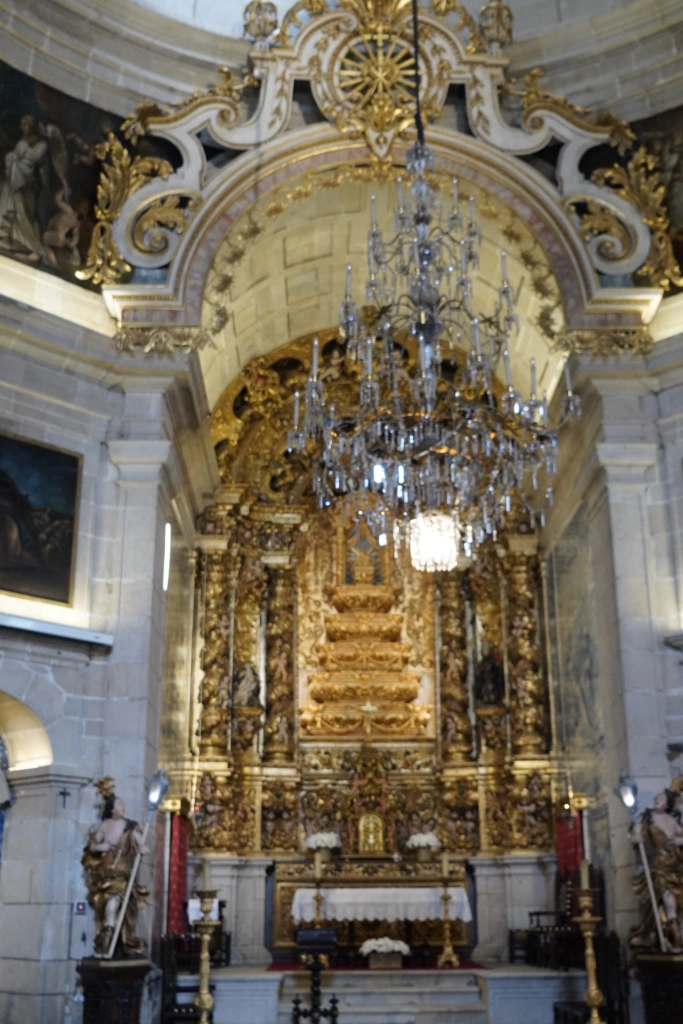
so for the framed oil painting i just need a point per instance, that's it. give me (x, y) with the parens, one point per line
(39, 488)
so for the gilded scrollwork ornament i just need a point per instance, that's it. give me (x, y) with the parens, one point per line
(211, 819)
(459, 815)
(640, 184)
(497, 817)
(122, 176)
(532, 812)
(280, 817)
(536, 100)
(227, 93)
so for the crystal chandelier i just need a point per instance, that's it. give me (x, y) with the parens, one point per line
(435, 450)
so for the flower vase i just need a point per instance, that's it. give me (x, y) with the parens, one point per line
(385, 961)
(424, 854)
(325, 854)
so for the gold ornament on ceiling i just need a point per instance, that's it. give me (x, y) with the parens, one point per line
(495, 23)
(260, 19)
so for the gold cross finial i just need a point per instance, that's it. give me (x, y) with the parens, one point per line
(367, 710)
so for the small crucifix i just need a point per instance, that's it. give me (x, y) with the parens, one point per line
(64, 793)
(367, 710)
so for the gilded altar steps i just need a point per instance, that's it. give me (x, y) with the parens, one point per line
(388, 655)
(346, 626)
(333, 687)
(392, 997)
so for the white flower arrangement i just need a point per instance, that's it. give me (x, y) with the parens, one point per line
(384, 945)
(323, 841)
(423, 840)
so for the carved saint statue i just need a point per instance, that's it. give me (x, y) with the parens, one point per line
(489, 679)
(661, 831)
(247, 687)
(108, 859)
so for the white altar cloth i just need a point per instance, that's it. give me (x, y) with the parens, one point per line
(416, 903)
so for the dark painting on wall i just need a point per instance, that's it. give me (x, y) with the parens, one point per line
(38, 507)
(49, 172)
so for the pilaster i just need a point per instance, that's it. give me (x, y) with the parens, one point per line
(241, 882)
(135, 669)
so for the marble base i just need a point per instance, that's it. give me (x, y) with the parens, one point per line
(500, 995)
(507, 889)
(241, 883)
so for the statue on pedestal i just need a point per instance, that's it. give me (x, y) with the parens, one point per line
(661, 831)
(108, 859)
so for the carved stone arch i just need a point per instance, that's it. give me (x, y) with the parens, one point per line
(285, 159)
(26, 738)
(168, 223)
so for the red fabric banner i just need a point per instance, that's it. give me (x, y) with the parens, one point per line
(177, 877)
(569, 845)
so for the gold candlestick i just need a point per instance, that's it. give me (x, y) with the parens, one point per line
(448, 958)
(204, 999)
(588, 922)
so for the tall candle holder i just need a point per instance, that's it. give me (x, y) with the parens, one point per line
(588, 922)
(318, 898)
(205, 927)
(448, 958)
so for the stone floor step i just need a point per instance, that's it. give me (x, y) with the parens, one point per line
(387, 997)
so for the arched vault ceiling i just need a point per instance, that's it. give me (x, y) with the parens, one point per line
(281, 271)
(606, 53)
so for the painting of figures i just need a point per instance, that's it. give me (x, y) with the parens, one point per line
(49, 173)
(49, 184)
(38, 506)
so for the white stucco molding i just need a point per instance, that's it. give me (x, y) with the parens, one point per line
(57, 629)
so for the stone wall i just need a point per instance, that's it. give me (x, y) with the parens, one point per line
(100, 705)
(622, 482)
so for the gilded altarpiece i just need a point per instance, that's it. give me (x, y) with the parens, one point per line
(340, 690)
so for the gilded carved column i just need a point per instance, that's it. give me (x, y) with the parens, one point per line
(279, 728)
(247, 708)
(490, 697)
(214, 572)
(456, 728)
(528, 691)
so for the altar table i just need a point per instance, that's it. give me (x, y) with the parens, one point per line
(413, 903)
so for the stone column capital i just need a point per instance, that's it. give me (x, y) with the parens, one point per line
(139, 461)
(626, 463)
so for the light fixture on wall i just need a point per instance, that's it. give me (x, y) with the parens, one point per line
(167, 557)
(430, 444)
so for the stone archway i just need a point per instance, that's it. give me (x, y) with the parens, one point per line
(26, 738)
